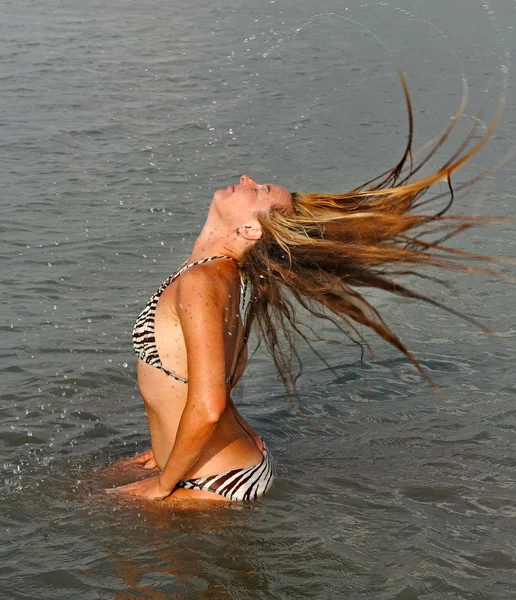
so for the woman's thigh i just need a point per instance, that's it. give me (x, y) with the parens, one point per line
(182, 494)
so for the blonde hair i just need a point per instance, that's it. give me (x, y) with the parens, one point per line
(324, 252)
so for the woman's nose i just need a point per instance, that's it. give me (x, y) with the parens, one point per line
(246, 180)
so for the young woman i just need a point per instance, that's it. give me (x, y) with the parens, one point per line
(191, 345)
(260, 249)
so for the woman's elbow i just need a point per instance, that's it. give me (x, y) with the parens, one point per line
(212, 411)
(214, 414)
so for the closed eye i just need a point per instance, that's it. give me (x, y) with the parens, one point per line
(266, 187)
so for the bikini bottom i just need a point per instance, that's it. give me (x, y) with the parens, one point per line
(240, 484)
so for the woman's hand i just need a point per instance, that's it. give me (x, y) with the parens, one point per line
(144, 459)
(151, 488)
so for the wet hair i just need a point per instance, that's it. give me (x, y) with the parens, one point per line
(330, 247)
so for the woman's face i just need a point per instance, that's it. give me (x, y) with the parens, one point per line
(247, 199)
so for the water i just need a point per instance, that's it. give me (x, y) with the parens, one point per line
(117, 122)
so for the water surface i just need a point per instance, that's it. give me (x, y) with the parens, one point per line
(118, 120)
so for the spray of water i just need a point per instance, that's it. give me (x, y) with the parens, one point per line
(276, 41)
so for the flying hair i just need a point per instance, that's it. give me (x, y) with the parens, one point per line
(330, 247)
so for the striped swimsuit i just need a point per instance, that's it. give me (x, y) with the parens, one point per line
(144, 340)
(238, 484)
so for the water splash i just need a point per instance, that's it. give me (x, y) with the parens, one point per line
(277, 40)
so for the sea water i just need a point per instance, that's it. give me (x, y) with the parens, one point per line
(118, 120)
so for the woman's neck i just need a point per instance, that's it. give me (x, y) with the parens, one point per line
(215, 240)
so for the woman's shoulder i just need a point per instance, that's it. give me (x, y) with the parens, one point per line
(214, 278)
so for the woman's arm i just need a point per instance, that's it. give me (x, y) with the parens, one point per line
(200, 303)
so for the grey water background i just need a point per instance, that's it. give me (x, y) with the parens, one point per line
(118, 120)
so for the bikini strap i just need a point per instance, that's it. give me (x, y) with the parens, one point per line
(186, 265)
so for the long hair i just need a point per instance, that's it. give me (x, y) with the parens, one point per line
(324, 252)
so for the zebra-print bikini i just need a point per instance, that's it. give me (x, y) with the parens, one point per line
(144, 340)
(239, 484)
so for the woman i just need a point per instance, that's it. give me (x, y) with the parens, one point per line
(264, 246)
(191, 343)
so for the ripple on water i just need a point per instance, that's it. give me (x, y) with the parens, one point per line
(116, 129)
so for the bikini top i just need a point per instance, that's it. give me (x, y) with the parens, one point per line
(144, 340)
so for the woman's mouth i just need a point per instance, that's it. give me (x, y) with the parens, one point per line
(231, 189)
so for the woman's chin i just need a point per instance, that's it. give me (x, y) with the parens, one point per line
(220, 194)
